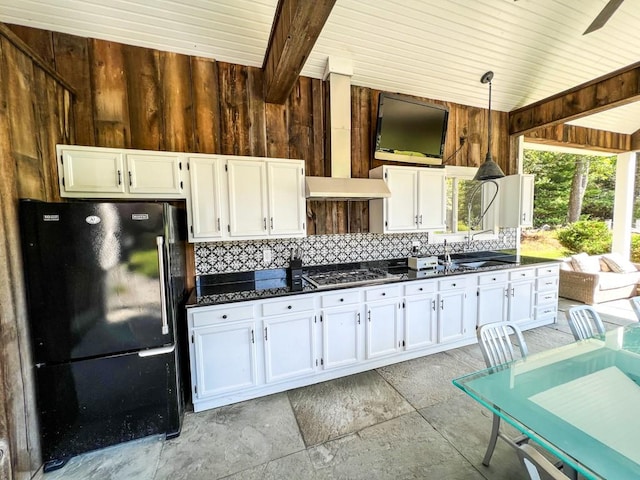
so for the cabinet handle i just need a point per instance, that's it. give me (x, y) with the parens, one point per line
(441, 304)
(130, 179)
(420, 219)
(513, 292)
(549, 283)
(416, 222)
(224, 316)
(342, 299)
(218, 223)
(433, 305)
(264, 221)
(384, 293)
(119, 177)
(524, 216)
(265, 334)
(420, 289)
(289, 307)
(453, 284)
(253, 338)
(271, 223)
(358, 318)
(506, 292)
(494, 279)
(369, 315)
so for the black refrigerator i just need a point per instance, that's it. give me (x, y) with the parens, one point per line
(105, 285)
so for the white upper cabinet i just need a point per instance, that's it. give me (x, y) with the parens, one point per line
(248, 208)
(287, 204)
(266, 198)
(516, 200)
(416, 202)
(205, 214)
(93, 172)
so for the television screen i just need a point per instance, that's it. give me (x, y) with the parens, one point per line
(410, 130)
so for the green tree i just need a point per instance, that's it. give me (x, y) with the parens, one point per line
(554, 172)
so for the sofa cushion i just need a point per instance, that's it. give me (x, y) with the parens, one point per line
(585, 263)
(617, 263)
(610, 280)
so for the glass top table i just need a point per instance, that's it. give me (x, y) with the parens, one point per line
(580, 401)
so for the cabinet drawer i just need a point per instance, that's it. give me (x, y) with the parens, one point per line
(544, 311)
(489, 279)
(288, 306)
(345, 297)
(522, 274)
(381, 293)
(546, 284)
(544, 298)
(450, 284)
(225, 314)
(548, 270)
(417, 288)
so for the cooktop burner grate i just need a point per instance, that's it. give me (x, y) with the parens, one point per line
(358, 276)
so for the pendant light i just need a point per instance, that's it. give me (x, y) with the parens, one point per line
(489, 169)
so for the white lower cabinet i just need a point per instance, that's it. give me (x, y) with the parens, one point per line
(341, 320)
(229, 353)
(492, 297)
(383, 318)
(420, 315)
(222, 349)
(289, 338)
(244, 350)
(456, 319)
(521, 290)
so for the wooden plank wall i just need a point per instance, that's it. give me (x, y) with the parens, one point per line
(140, 98)
(34, 115)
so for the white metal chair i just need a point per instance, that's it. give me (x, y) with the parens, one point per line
(497, 349)
(538, 467)
(635, 304)
(584, 322)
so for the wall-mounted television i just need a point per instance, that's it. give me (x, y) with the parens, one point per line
(410, 130)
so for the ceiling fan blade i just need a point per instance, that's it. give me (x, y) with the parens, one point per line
(603, 17)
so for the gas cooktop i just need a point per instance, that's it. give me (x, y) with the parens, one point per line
(358, 276)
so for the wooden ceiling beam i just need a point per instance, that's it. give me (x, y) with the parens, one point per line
(609, 91)
(580, 137)
(635, 140)
(296, 27)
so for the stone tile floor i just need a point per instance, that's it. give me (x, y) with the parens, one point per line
(404, 421)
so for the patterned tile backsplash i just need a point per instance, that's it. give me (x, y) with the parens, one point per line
(241, 256)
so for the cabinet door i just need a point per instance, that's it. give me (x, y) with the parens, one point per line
(341, 336)
(492, 303)
(420, 321)
(289, 347)
(287, 204)
(247, 182)
(432, 189)
(205, 208)
(521, 298)
(225, 358)
(401, 207)
(451, 320)
(154, 174)
(526, 197)
(382, 329)
(87, 171)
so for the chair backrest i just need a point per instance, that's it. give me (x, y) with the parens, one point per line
(635, 304)
(584, 322)
(496, 345)
(538, 467)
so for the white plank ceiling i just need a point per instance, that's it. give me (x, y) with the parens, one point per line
(437, 49)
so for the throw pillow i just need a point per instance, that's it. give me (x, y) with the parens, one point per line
(617, 263)
(585, 263)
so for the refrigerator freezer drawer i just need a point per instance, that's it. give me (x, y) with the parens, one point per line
(90, 404)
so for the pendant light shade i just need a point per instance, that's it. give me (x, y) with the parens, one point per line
(489, 169)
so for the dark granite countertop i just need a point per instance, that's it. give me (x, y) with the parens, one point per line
(262, 284)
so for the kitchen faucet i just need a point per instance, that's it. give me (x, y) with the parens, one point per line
(473, 234)
(447, 256)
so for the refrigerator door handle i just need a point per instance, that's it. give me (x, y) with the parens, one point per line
(163, 286)
(157, 351)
